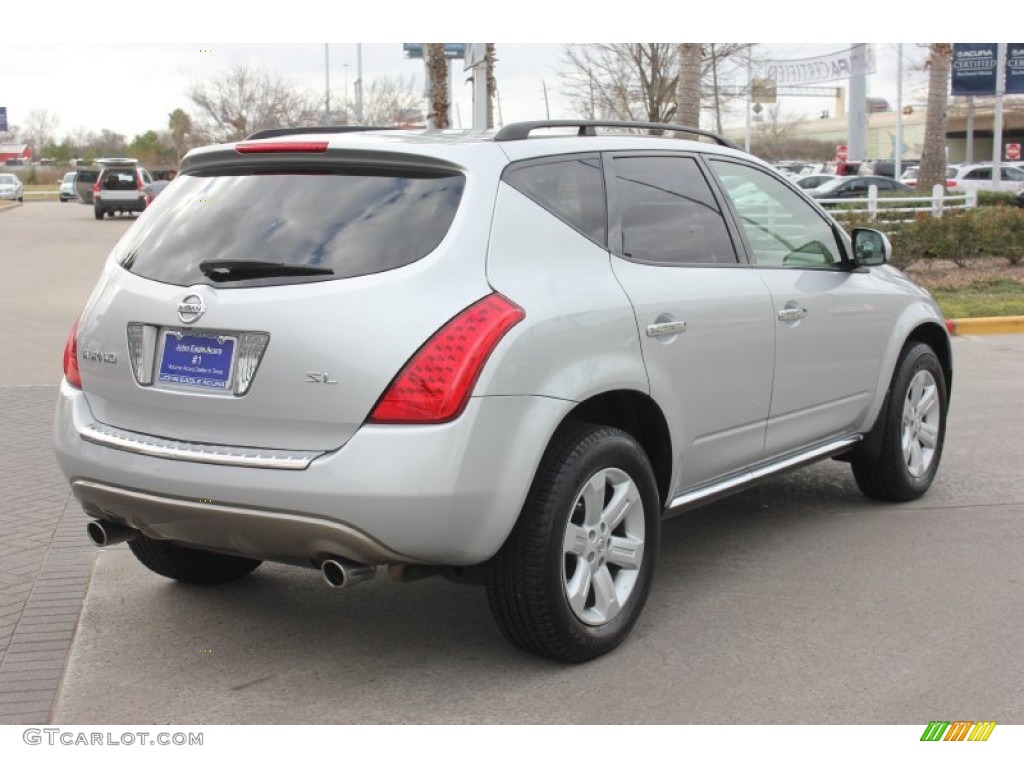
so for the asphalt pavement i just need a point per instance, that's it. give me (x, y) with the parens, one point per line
(799, 601)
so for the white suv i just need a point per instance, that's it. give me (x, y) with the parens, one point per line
(500, 358)
(979, 176)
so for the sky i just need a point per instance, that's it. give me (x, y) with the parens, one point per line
(130, 87)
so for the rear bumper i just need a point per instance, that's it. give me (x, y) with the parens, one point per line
(443, 494)
(127, 204)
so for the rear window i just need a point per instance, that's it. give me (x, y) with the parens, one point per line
(351, 222)
(120, 180)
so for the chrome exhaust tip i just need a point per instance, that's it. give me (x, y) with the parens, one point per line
(340, 573)
(105, 534)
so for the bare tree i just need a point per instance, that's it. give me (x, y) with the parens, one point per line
(775, 134)
(243, 100)
(688, 87)
(641, 81)
(437, 71)
(622, 81)
(933, 154)
(393, 101)
(39, 129)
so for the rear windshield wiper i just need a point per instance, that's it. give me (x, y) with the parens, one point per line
(223, 270)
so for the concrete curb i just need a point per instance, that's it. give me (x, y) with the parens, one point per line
(975, 326)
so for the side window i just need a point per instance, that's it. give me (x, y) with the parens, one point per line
(669, 214)
(1009, 173)
(980, 173)
(783, 228)
(571, 189)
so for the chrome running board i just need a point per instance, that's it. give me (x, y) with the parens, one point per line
(720, 488)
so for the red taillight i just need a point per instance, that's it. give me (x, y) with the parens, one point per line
(71, 358)
(96, 189)
(435, 384)
(281, 146)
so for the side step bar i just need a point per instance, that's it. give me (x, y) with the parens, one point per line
(713, 491)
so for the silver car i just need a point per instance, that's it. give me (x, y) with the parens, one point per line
(11, 188)
(504, 359)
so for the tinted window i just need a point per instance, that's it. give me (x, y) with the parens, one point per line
(352, 223)
(668, 212)
(573, 190)
(120, 179)
(782, 227)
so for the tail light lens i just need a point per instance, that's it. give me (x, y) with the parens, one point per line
(314, 147)
(71, 358)
(96, 189)
(435, 384)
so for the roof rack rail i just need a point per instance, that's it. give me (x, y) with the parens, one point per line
(517, 131)
(271, 133)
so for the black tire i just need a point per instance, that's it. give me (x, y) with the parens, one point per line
(97, 213)
(894, 475)
(529, 580)
(194, 566)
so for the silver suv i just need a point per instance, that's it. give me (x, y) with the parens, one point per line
(501, 358)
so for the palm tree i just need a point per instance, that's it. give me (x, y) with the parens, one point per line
(933, 155)
(437, 71)
(180, 125)
(688, 86)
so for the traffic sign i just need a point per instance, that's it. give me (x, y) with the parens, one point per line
(1013, 151)
(842, 153)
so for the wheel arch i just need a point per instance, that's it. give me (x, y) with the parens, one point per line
(636, 413)
(934, 336)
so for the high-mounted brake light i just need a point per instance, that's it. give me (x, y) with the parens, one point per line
(262, 147)
(434, 386)
(71, 358)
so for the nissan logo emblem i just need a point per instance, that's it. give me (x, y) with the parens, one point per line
(191, 308)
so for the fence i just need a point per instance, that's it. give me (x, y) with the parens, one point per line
(892, 209)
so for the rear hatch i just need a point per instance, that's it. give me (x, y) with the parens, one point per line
(270, 302)
(121, 185)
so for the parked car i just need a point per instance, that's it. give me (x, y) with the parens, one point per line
(857, 186)
(885, 167)
(979, 176)
(502, 359)
(909, 176)
(11, 188)
(119, 188)
(67, 187)
(815, 181)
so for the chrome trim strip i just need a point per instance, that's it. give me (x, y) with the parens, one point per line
(752, 476)
(204, 453)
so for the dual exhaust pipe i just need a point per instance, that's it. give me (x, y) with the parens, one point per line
(337, 571)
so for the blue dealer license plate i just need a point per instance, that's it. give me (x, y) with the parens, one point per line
(203, 362)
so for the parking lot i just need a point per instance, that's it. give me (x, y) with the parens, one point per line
(799, 601)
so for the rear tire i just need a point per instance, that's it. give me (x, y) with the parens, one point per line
(97, 213)
(914, 430)
(573, 576)
(194, 566)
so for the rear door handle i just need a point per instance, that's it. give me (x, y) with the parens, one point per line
(665, 329)
(789, 314)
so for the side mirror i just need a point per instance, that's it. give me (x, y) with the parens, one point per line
(871, 248)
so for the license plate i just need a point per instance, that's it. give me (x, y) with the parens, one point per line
(199, 361)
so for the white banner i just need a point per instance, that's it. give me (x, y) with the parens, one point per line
(822, 69)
